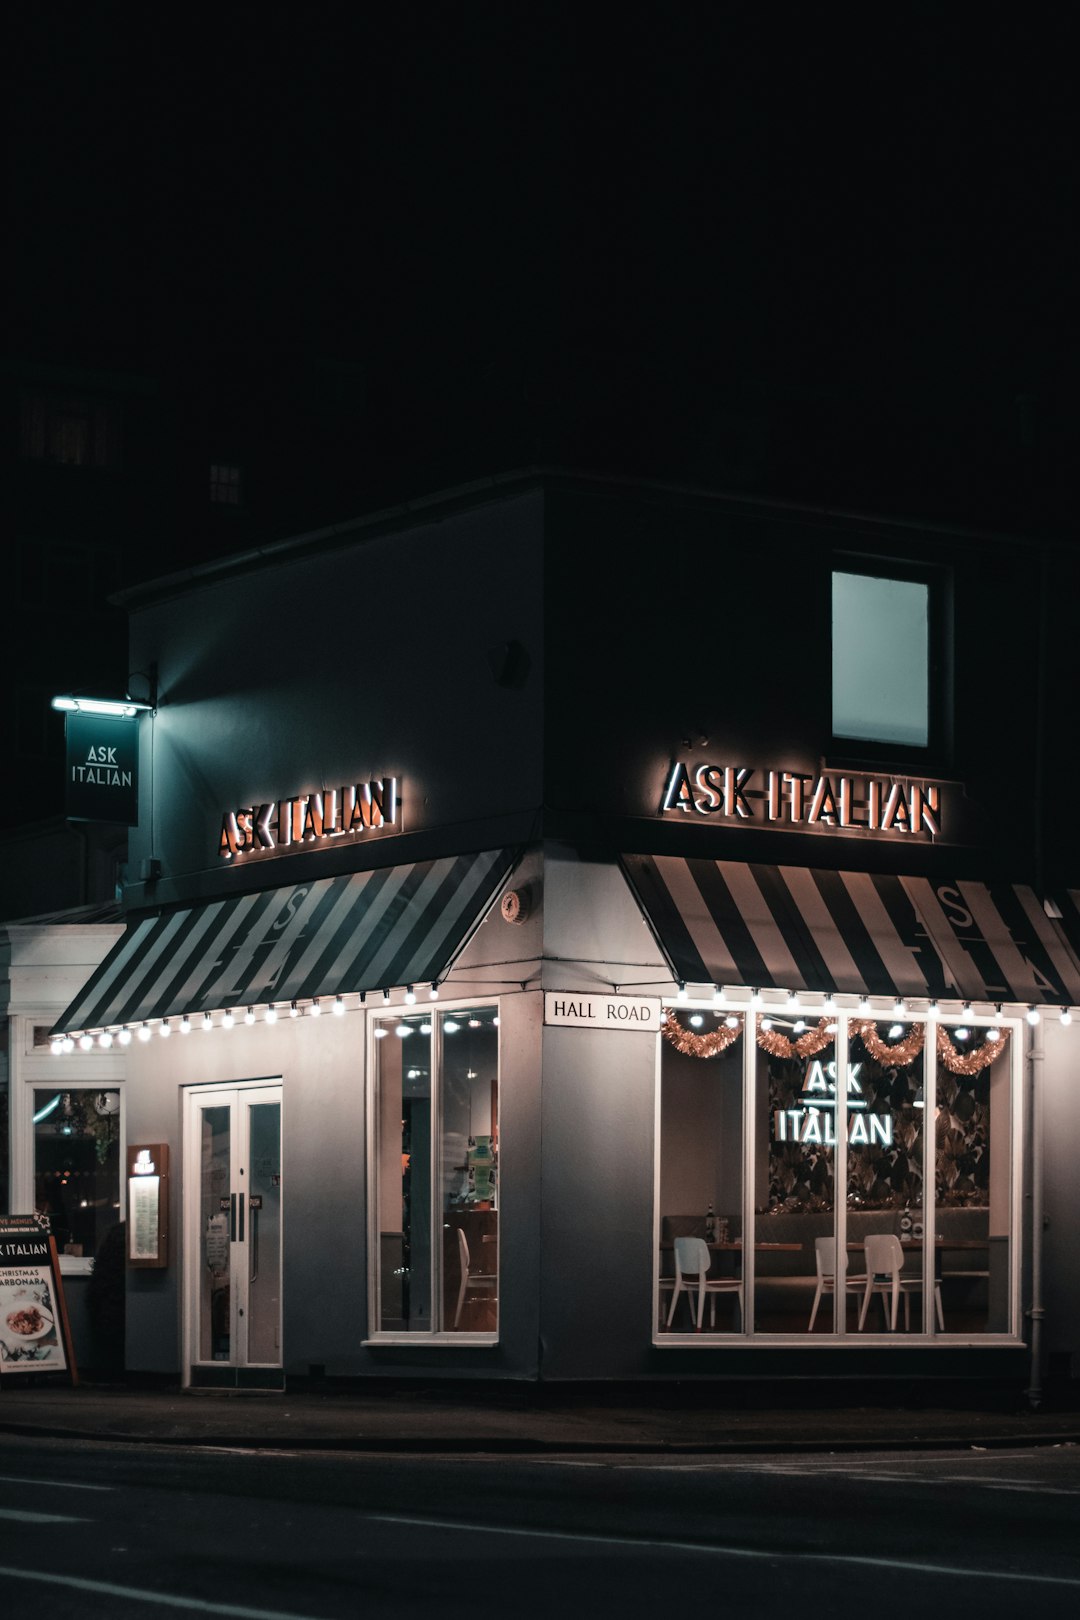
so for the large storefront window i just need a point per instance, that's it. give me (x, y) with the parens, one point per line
(872, 1158)
(435, 1188)
(77, 1166)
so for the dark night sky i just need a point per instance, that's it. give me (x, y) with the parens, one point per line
(823, 255)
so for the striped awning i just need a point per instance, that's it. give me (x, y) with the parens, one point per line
(362, 931)
(787, 927)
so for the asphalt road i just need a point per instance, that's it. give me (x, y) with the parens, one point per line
(94, 1530)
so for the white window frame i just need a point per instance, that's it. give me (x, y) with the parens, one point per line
(96, 1070)
(435, 1336)
(928, 1337)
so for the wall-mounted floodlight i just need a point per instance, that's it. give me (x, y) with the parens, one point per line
(119, 708)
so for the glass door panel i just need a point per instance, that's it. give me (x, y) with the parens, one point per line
(234, 1275)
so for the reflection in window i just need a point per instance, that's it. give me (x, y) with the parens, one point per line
(881, 659)
(77, 1166)
(436, 1182)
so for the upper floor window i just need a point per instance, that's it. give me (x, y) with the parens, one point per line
(224, 484)
(74, 430)
(882, 658)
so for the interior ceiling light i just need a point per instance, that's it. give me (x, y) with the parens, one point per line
(451, 1027)
(896, 1031)
(695, 1019)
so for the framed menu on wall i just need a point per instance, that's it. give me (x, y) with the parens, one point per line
(34, 1333)
(148, 1204)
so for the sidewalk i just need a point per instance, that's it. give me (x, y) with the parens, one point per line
(511, 1420)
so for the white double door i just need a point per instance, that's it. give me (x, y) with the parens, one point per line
(233, 1227)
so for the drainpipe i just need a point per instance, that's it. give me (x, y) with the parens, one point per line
(1035, 1312)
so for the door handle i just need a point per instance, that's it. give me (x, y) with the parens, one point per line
(232, 1217)
(254, 1242)
(240, 1213)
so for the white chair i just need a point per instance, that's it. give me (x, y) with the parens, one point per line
(825, 1262)
(666, 1284)
(884, 1263)
(692, 1260)
(470, 1279)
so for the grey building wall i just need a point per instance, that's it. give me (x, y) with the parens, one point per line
(380, 657)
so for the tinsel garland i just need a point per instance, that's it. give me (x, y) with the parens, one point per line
(815, 1040)
(701, 1046)
(968, 1063)
(892, 1057)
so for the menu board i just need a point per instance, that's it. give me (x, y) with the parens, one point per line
(148, 1204)
(34, 1332)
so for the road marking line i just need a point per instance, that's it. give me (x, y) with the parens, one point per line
(24, 1517)
(903, 1565)
(52, 1484)
(189, 1604)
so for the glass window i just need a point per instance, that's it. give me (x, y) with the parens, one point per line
(874, 1165)
(881, 659)
(77, 1166)
(435, 1188)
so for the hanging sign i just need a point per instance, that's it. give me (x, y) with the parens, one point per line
(592, 1010)
(34, 1332)
(102, 782)
(804, 799)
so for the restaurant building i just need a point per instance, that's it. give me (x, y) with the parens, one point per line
(534, 880)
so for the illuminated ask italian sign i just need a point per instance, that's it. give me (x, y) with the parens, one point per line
(283, 826)
(814, 1120)
(740, 793)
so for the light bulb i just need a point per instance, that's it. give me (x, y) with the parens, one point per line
(1033, 1015)
(696, 1020)
(410, 995)
(104, 1039)
(166, 1029)
(450, 1027)
(124, 1036)
(249, 1016)
(962, 1033)
(185, 1025)
(864, 1005)
(207, 1023)
(1066, 1016)
(294, 1011)
(433, 993)
(766, 1023)
(895, 1032)
(402, 1030)
(731, 1021)
(271, 1014)
(144, 1032)
(381, 1031)
(56, 1046)
(681, 997)
(315, 1009)
(339, 1006)
(227, 1019)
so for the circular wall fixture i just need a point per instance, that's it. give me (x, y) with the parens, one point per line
(515, 905)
